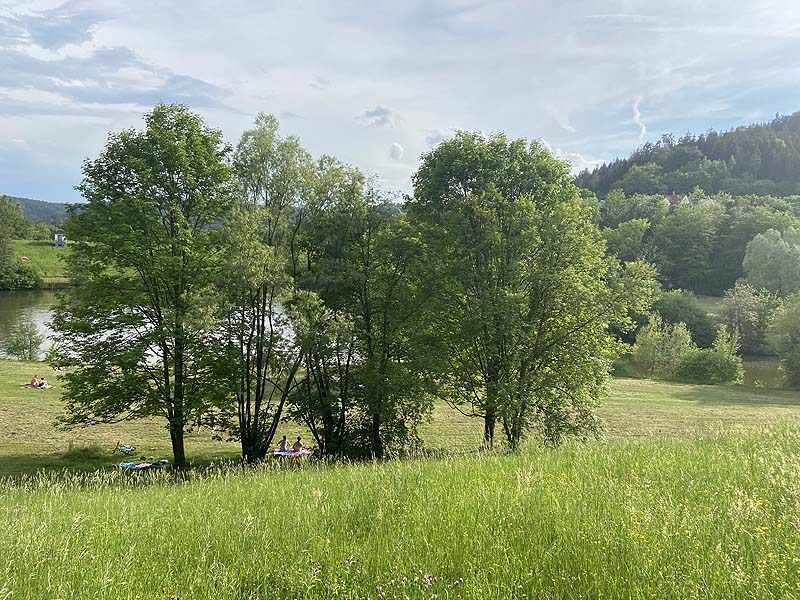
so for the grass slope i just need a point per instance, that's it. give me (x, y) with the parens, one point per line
(44, 259)
(706, 518)
(695, 493)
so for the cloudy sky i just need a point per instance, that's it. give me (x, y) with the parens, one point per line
(378, 83)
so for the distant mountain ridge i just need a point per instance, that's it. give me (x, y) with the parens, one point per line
(42, 212)
(759, 159)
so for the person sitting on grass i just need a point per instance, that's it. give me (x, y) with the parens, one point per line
(297, 446)
(43, 384)
(35, 381)
(284, 445)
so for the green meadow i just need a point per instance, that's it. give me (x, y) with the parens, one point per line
(43, 259)
(694, 492)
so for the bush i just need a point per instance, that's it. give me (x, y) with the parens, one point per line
(716, 365)
(14, 276)
(660, 347)
(24, 342)
(784, 336)
(682, 306)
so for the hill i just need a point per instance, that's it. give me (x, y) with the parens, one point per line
(40, 211)
(761, 159)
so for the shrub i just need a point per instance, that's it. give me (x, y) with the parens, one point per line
(660, 347)
(24, 342)
(682, 306)
(718, 364)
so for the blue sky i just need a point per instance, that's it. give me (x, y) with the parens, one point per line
(378, 83)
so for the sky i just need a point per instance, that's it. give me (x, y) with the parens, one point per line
(379, 83)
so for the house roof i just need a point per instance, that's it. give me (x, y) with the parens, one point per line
(674, 199)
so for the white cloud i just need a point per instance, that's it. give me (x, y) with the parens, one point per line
(320, 83)
(380, 116)
(582, 78)
(637, 118)
(396, 151)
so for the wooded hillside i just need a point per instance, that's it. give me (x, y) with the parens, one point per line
(760, 159)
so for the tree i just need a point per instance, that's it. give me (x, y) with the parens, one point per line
(261, 331)
(13, 225)
(24, 341)
(685, 242)
(784, 336)
(525, 295)
(134, 323)
(749, 311)
(661, 347)
(772, 261)
(363, 394)
(625, 240)
(682, 306)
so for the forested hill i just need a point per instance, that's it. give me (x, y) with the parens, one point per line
(760, 159)
(40, 211)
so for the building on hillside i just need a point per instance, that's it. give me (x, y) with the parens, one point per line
(60, 240)
(675, 199)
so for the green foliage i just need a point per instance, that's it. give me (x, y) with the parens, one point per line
(760, 159)
(24, 341)
(685, 242)
(749, 311)
(365, 391)
(661, 347)
(772, 261)
(625, 240)
(682, 306)
(525, 296)
(719, 364)
(13, 225)
(261, 339)
(783, 334)
(132, 327)
(18, 276)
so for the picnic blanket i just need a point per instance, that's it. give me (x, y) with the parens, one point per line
(126, 449)
(36, 387)
(143, 466)
(303, 452)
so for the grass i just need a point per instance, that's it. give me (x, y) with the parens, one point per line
(712, 305)
(713, 517)
(693, 493)
(43, 258)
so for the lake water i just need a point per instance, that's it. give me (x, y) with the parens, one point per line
(15, 306)
(37, 305)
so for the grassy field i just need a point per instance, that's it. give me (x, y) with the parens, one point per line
(635, 409)
(693, 493)
(43, 258)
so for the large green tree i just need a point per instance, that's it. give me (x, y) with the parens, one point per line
(363, 394)
(783, 334)
(133, 325)
(526, 295)
(263, 346)
(685, 244)
(772, 261)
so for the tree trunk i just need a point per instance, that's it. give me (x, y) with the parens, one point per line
(489, 420)
(176, 436)
(377, 445)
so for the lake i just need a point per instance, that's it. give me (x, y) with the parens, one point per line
(761, 371)
(15, 306)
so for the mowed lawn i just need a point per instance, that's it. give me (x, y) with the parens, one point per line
(32, 439)
(693, 493)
